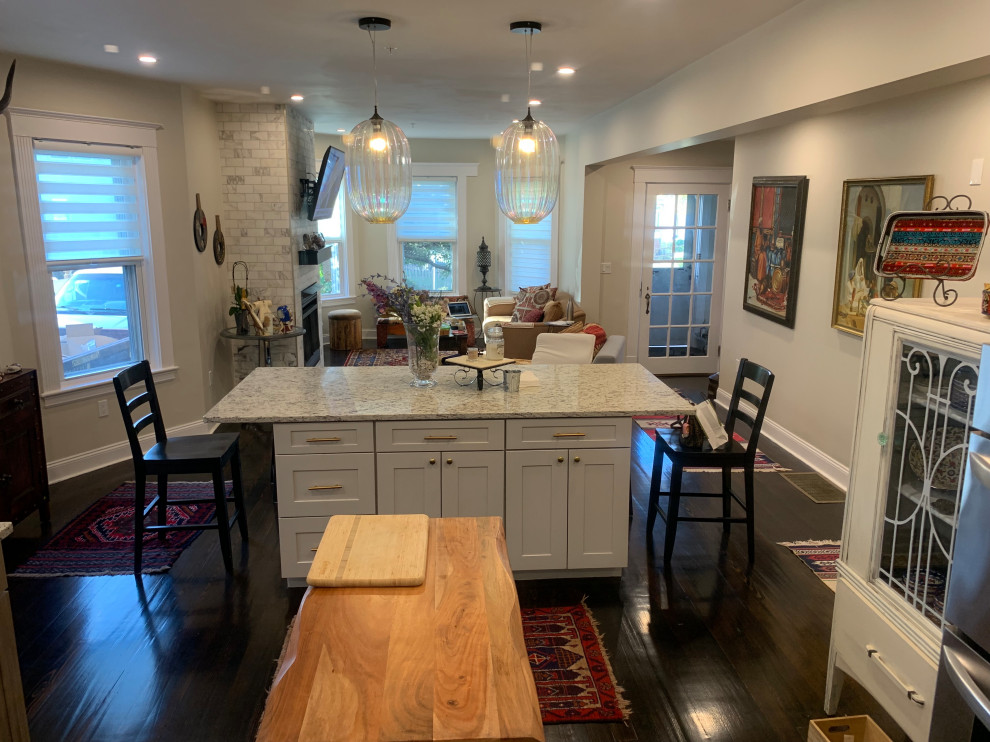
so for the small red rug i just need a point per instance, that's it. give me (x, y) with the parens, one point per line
(101, 540)
(574, 680)
(819, 556)
(650, 423)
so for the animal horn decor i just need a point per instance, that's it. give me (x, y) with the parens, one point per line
(4, 102)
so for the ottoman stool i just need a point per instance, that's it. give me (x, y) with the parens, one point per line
(345, 329)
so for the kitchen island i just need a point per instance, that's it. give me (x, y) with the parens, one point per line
(552, 459)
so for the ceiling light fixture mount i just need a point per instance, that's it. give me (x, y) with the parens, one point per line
(527, 158)
(377, 157)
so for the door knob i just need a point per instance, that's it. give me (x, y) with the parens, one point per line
(4, 478)
(577, 459)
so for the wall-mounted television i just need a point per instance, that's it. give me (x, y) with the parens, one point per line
(327, 185)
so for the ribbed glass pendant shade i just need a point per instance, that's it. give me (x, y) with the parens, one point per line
(379, 170)
(527, 171)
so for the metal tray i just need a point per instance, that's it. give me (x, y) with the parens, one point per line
(941, 245)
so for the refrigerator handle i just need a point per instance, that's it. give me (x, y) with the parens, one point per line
(967, 687)
(981, 467)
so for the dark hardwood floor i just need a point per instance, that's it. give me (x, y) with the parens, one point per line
(706, 652)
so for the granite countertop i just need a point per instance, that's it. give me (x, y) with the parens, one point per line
(383, 393)
(6, 529)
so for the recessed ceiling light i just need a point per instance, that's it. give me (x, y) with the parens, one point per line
(265, 90)
(111, 48)
(535, 102)
(505, 98)
(147, 59)
(296, 97)
(536, 66)
(565, 70)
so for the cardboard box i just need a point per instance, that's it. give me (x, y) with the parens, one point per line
(837, 729)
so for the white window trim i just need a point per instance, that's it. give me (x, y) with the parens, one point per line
(462, 171)
(503, 251)
(25, 126)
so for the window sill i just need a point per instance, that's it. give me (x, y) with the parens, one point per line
(337, 301)
(97, 388)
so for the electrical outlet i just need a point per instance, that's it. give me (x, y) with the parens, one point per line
(606, 267)
(101, 408)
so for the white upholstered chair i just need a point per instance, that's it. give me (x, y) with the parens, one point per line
(564, 347)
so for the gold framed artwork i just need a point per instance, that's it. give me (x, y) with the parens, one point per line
(866, 203)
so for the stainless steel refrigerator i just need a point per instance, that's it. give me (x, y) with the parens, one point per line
(961, 710)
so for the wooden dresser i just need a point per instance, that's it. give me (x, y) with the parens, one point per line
(23, 470)
(13, 718)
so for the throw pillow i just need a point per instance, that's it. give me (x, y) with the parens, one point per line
(533, 315)
(576, 327)
(552, 311)
(599, 332)
(533, 297)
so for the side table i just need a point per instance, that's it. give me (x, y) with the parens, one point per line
(264, 341)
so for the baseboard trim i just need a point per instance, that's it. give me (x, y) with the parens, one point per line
(87, 461)
(821, 462)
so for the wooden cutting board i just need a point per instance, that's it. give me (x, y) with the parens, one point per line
(371, 551)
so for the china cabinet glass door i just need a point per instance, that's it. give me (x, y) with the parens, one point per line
(933, 409)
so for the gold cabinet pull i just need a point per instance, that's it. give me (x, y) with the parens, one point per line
(439, 437)
(327, 487)
(314, 549)
(569, 435)
(450, 461)
(322, 440)
(560, 458)
(577, 459)
(433, 461)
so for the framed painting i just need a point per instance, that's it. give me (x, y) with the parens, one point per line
(773, 260)
(866, 204)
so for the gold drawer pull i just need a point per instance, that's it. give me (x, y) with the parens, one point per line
(439, 437)
(314, 549)
(322, 440)
(560, 458)
(577, 459)
(569, 435)
(327, 487)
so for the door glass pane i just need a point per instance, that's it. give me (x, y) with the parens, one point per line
(664, 216)
(663, 244)
(678, 341)
(659, 310)
(682, 278)
(703, 276)
(658, 342)
(702, 314)
(706, 210)
(687, 207)
(699, 341)
(706, 244)
(661, 281)
(932, 416)
(680, 307)
(687, 248)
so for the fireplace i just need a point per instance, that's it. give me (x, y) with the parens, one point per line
(310, 322)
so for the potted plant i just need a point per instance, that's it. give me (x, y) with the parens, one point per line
(239, 312)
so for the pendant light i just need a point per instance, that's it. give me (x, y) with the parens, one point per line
(377, 158)
(527, 158)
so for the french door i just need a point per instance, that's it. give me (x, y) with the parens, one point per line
(678, 305)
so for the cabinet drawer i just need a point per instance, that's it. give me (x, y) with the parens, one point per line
(298, 539)
(895, 666)
(325, 438)
(325, 484)
(445, 435)
(568, 432)
(18, 399)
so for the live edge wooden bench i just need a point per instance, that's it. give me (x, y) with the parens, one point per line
(442, 661)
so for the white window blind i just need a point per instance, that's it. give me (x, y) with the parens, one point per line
(91, 204)
(528, 254)
(432, 212)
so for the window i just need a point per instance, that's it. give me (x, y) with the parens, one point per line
(88, 195)
(335, 282)
(427, 243)
(530, 253)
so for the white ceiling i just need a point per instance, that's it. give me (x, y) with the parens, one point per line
(453, 59)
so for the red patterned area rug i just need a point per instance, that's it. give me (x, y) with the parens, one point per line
(649, 424)
(819, 556)
(384, 357)
(574, 680)
(101, 540)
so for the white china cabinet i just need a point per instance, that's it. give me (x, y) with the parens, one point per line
(917, 387)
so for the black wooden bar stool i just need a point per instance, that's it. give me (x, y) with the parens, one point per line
(732, 455)
(191, 454)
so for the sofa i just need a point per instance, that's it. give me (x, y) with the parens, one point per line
(520, 337)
